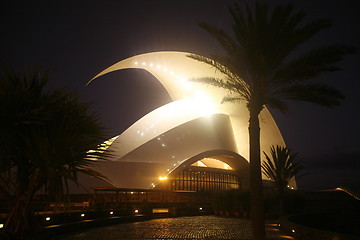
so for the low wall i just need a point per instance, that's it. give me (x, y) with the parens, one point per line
(302, 232)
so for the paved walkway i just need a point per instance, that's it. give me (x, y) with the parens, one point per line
(197, 227)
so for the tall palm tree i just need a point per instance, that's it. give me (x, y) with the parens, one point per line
(262, 68)
(281, 167)
(45, 142)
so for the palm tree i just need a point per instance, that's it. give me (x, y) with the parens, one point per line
(46, 138)
(262, 68)
(281, 168)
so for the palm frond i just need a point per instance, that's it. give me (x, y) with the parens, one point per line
(232, 82)
(317, 93)
(281, 167)
(312, 64)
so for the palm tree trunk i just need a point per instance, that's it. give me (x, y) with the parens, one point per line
(21, 222)
(256, 192)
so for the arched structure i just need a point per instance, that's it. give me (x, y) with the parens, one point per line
(193, 131)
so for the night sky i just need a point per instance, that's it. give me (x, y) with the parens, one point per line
(78, 39)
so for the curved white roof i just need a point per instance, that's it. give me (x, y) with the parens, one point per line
(191, 101)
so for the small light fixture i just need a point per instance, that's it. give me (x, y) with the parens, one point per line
(200, 208)
(47, 218)
(82, 215)
(136, 211)
(293, 230)
(1, 225)
(111, 213)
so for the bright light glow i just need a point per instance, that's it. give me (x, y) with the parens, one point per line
(293, 230)
(1, 225)
(198, 164)
(186, 84)
(131, 192)
(285, 237)
(82, 215)
(163, 178)
(203, 103)
(160, 210)
(213, 163)
(136, 63)
(47, 218)
(111, 213)
(200, 208)
(144, 63)
(136, 211)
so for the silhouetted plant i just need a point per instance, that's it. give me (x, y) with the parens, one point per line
(280, 168)
(260, 68)
(45, 141)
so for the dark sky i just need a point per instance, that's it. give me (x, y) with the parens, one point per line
(78, 39)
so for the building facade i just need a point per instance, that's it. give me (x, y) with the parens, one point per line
(193, 143)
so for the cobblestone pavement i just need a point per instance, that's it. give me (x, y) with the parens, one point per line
(198, 227)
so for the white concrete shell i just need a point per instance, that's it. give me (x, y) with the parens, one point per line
(193, 126)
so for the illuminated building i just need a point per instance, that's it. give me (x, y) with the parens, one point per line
(193, 143)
